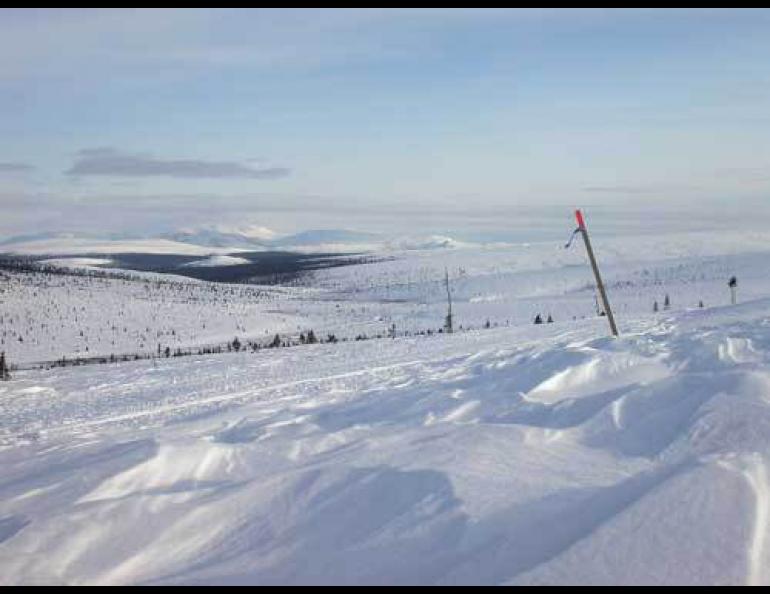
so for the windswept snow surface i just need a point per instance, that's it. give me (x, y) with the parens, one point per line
(522, 455)
(514, 454)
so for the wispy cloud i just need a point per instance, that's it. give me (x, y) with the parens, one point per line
(48, 43)
(621, 189)
(114, 163)
(15, 167)
(744, 175)
(641, 189)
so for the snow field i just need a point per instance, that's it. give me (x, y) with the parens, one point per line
(519, 455)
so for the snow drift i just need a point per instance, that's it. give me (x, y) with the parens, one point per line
(513, 456)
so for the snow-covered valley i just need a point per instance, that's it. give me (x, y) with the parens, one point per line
(508, 454)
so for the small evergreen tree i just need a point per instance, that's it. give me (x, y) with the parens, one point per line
(4, 375)
(276, 342)
(311, 339)
(666, 302)
(550, 319)
(655, 306)
(538, 319)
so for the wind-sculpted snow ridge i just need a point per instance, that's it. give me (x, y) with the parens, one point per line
(535, 455)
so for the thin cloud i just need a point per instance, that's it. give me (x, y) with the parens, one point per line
(662, 189)
(109, 162)
(15, 167)
(621, 189)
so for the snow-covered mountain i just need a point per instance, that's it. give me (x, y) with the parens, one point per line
(261, 238)
(65, 244)
(430, 242)
(249, 237)
(316, 237)
(222, 239)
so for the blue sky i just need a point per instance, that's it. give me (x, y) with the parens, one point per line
(431, 119)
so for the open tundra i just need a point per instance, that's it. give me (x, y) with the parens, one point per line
(515, 454)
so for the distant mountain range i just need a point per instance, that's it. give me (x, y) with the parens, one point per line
(249, 238)
(219, 239)
(328, 236)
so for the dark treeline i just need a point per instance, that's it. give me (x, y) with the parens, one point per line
(267, 268)
(236, 345)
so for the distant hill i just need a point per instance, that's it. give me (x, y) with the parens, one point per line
(327, 236)
(221, 239)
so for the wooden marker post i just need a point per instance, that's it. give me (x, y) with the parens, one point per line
(733, 284)
(448, 322)
(605, 301)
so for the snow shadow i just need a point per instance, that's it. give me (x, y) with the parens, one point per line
(384, 526)
(377, 525)
(75, 472)
(10, 526)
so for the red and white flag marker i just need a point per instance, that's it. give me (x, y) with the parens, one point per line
(602, 292)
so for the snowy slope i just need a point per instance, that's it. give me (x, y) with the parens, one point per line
(47, 317)
(513, 455)
(505, 286)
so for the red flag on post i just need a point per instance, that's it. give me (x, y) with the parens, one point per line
(579, 216)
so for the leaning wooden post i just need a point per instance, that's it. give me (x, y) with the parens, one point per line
(605, 301)
(448, 326)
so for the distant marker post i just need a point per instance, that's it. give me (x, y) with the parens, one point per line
(733, 284)
(602, 292)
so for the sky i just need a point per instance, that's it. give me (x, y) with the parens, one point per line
(465, 121)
